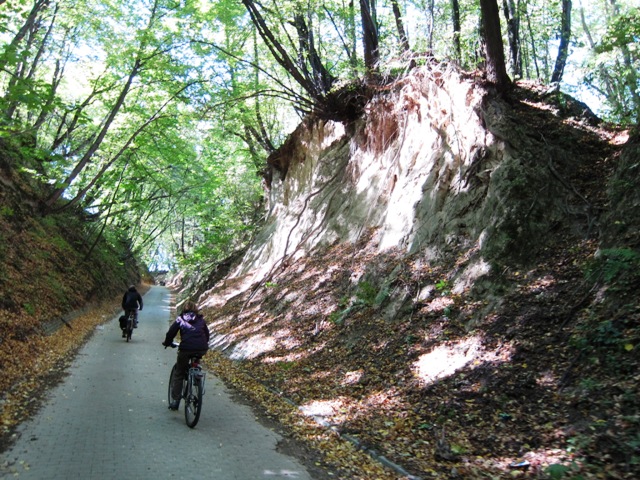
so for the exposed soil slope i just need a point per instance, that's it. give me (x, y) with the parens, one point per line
(534, 364)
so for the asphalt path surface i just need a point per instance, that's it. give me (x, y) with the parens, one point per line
(109, 419)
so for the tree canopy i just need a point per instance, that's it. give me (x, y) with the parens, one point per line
(156, 116)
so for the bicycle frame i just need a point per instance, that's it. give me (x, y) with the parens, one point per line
(196, 374)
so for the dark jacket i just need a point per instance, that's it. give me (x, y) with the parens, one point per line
(194, 332)
(131, 300)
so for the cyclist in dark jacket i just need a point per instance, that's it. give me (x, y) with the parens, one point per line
(194, 340)
(131, 301)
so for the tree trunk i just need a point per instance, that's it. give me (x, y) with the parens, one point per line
(604, 74)
(565, 37)
(369, 36)
(66, 129)
(455, 18)
(402, 35)
(512, 17)
(27, 26)
(496, 69)
(430, 24)
(351, 32)
(320, 76)
(277, 50)
(534, 53)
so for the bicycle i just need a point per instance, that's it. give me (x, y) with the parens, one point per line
(192, 389)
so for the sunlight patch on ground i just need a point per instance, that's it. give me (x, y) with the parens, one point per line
(438, 304)
(258, 344)
(470, 274)
(295, 356)
(342, 409)
(353, 377)
(321, 375)
(537, 460)
(547, 379)
(541, 284)
(254, 346)
(326, 276)
(444, 360)
(292, 357)
(384, 401)
(322, 408)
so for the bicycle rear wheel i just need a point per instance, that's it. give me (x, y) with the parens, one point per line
(169, 397)
(193, 401)
(129, 327)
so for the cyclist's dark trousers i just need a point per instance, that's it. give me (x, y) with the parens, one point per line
(182, 363)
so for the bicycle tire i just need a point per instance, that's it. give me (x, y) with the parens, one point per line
(193, 401)
(130, 321)
(169, 397)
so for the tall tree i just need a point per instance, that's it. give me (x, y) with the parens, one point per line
(22, 57)
(455, 18)
(370, 36)
(512, 17)
(496, 68)
(402, 34)
(565, 37)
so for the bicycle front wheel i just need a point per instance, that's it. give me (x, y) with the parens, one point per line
(193, 401)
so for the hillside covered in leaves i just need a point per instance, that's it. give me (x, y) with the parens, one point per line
(530, 371)
(54, 269)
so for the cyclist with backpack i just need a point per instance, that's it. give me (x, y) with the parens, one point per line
(194, 341)
(131, 302)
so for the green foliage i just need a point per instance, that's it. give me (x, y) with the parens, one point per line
(617, 266)
(285, 365)
(558, 471)
(366, 293)
(29, 308)
(622, 31)
(443, 287)
(337, 316)
(6, 211)
(58, 289)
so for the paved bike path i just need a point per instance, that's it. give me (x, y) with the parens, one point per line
(109, 419)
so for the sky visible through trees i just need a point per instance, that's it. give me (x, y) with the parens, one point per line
(157, 116)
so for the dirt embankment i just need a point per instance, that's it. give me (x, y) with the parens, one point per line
(492, 330)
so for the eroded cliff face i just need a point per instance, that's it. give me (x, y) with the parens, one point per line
(420, 281)
(438, 166)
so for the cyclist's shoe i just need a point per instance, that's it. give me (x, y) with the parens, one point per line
(174, 405)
